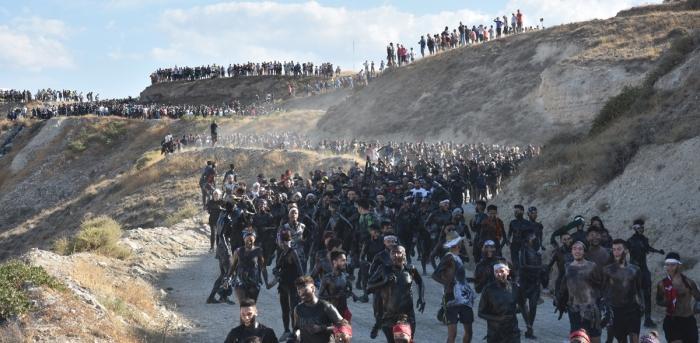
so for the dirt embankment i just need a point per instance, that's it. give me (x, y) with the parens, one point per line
(219, 90)
(522, 89)
(644, 163)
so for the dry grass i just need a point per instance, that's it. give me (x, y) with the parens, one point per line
(148, 159)
(185, 212)
(129, 299)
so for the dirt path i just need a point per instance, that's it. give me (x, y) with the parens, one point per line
(192, 277)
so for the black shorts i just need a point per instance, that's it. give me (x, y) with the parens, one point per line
(459, 314)
(683, 329)
(577, 322)
(626, 320)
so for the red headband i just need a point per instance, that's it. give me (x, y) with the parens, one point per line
(342, 329)
(402, 329)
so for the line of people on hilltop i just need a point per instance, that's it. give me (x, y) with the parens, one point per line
(243, 70)
(131, 108)
(47, 95)
(462, 35)
(15, 96)
(339, 234)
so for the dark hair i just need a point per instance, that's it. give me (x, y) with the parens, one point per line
(519, 207)
(638, 221)
(328, 234)
(492, 207)
(336, 254)
(363, 202)
(247, 303)
(374, 226)
(334, 242)
(620, 241)
(481, 202)
(303, 281)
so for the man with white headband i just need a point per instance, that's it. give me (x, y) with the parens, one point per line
(498, 306)
(678, 294)
(580, 293)
(639, 248)
(458, 296)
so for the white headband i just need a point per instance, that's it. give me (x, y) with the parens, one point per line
(498, 266)
(672, 261)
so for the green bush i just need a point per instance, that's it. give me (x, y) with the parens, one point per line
(13, 276)
(100, 235)
(694, 4)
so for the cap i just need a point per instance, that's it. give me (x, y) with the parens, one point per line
(490, 242)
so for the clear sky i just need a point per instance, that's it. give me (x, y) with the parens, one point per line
(111, 46)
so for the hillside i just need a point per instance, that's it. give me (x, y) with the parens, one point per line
(642, 162)
(219, 90)
(64, 169)
(518, 90)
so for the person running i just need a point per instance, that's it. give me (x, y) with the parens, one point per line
(214, 208)
(639, 248)
(207, 182)
(580, 292)
(335, 286)
(214, 132)
(248, 268)
(250, 330)
(537, 227)
(578, 236)
(225, 231)
(483, 272)
(458, 296)
(394, 287)
(678, 294)
(597, 253)
(370, 249)
(382, 260)
(475, 226)
(518, 230)
(297, 230)
(287, 270)
(531, 272)
(498, 306)
(492, 229)
(561, 256)
(314, 319)
(623, 293)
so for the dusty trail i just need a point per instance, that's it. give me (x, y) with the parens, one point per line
(191, 279)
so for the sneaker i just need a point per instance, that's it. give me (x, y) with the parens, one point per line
(374, 332)
(212, 301)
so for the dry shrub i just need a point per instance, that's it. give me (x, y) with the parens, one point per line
(100, 235)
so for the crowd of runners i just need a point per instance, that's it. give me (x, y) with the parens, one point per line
(242, 70)
(339, 234)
